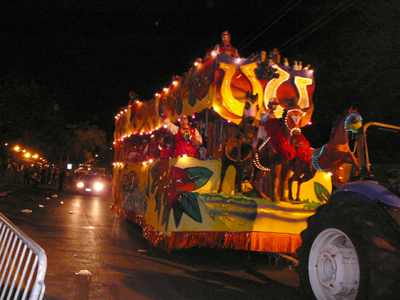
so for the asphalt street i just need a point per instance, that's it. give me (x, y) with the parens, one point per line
(81, 235)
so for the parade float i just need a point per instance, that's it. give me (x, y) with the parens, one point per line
(182, 201)
(239, 174)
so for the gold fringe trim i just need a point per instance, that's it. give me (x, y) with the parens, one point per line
(257, 241)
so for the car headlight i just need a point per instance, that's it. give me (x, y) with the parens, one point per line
(98, 186)
(80, 185)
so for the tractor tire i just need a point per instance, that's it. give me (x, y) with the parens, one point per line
(350, 250)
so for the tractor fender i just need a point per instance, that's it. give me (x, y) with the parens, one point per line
(371, 190)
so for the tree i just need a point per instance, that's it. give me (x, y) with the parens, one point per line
(87, 140)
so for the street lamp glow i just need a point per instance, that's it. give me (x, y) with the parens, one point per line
(16, 148)
(27, 154)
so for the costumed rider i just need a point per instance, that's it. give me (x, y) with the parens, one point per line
(187, 138)
(225, 46)
(266, 115)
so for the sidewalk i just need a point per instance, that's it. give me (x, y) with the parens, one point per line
(9, 189)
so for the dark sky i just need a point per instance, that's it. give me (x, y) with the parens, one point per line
(99, 51)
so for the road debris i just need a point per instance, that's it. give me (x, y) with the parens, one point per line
(84, 273)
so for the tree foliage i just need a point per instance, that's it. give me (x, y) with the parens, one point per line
(87, 139)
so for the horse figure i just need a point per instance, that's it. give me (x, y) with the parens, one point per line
(275, 154)
(239, 148)
(335, 152)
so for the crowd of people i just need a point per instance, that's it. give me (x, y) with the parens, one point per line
(33, 175)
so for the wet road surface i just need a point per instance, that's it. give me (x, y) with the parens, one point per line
(81, 234)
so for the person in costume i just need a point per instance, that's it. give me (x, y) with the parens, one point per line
(265, 115)
(225, 46)
(187, 138)
(151, 150)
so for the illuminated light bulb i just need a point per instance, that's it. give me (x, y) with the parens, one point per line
(214, 53)
(165, 89)
(193, 116)
(116, 117)
(156, 94)
(184, 156)
(137, 101)
(165, 126)
(141, 133)
(309, 123)
(175, 82)
(196, 63)
(229, 121)
(126, 110)
(216, 108)
(238, 60)
(330, 174)
(179, 119)
(114, 143)
(144, 163)
(150, 161)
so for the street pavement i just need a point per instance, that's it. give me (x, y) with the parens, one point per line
(93, 254)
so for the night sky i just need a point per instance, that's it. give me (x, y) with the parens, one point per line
(99, 51)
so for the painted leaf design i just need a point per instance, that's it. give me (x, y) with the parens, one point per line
(199, 175)
(178, 212)
(191, 206)
(182, 180)
(192, 98)
(153, 173)
(321, 192)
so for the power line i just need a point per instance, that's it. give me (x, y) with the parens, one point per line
(272, 22)
(281, 47)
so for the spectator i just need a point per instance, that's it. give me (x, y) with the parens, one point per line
(61, 178)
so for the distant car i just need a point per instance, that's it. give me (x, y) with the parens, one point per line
(91, 184)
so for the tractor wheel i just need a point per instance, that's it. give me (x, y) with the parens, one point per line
(350, 250)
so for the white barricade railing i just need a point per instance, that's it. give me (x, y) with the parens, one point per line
(23, 264)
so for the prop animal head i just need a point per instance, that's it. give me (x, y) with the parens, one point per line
(251, 108)
(349, 121)
(293, 120)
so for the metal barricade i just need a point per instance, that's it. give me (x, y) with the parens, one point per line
(23, 264)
